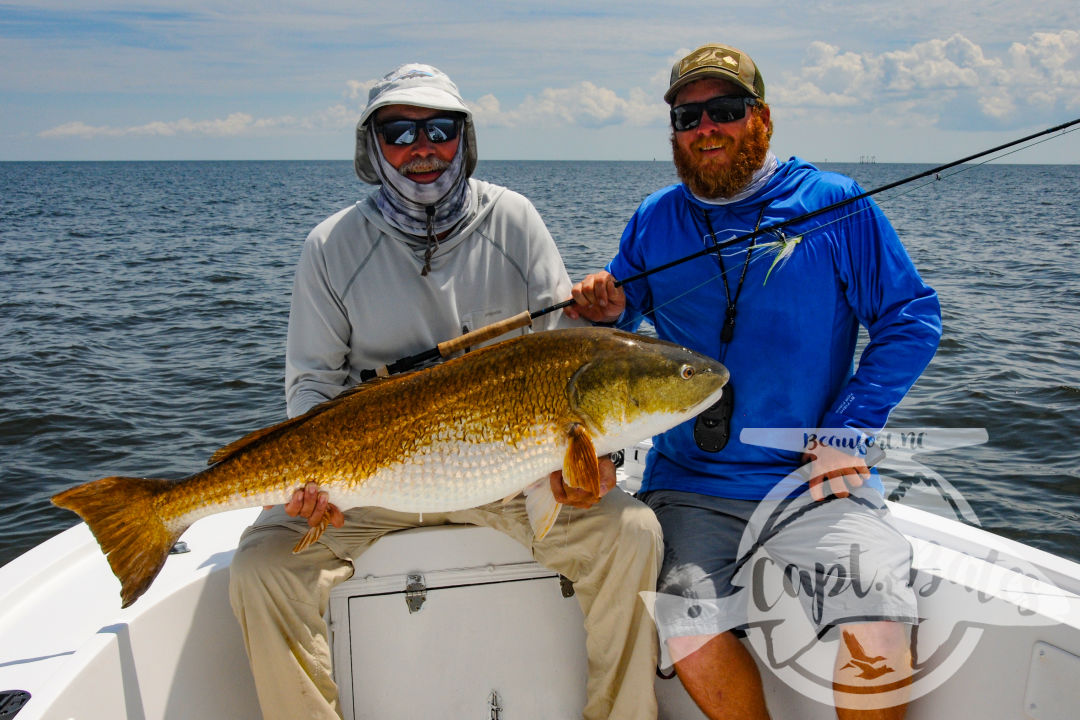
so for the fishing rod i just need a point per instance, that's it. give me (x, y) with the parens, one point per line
(524, 319)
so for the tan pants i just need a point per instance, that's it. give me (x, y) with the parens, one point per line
(611, 552)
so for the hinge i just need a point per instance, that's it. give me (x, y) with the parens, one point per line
(415, 592)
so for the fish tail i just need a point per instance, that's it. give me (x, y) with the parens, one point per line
(122, 516)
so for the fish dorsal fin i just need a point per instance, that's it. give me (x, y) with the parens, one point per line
(580, 466)
(253, 437)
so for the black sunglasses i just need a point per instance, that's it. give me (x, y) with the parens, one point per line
(439, 129)
(721, 109)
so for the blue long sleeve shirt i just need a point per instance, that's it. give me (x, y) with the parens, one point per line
(791, 356)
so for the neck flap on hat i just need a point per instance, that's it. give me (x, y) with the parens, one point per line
(423, 210)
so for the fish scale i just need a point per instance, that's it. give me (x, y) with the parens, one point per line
(471, 431)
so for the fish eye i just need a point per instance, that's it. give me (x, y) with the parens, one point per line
(686, 372)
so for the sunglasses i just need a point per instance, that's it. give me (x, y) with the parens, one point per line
(439, 129)
(722, 109)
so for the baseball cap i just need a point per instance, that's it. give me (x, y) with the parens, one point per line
(717, 61)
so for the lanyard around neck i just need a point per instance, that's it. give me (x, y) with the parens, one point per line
(727, 332)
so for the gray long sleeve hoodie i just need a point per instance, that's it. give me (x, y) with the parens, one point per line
(359, 300)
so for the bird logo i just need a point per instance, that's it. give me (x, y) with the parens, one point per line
(868, 667)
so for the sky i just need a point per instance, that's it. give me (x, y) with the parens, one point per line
(910, 81)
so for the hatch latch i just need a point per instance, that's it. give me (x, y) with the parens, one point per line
(415, 592)
(493, 705)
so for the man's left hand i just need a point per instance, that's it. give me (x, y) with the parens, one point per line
(834, 472)
(576, 497)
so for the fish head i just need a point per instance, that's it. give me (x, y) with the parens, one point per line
(631, 387)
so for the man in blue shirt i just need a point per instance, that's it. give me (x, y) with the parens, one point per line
(782, 311)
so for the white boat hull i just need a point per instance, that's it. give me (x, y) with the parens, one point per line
(177, 653)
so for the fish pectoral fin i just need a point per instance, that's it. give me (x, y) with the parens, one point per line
(580, 466)
(510, 497)
(541, 507)
(314, 533)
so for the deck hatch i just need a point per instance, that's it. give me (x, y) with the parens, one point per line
(1053, 684)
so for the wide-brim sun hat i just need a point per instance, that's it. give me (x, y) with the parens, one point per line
(412, 84)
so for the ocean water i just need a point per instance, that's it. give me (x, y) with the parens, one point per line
(143, 311)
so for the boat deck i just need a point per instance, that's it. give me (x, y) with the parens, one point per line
(997, 610)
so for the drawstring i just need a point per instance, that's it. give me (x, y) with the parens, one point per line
(432, 241)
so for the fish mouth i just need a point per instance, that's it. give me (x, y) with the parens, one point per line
(713, 367)
(720, 371)
(713, 397)
(709, 401)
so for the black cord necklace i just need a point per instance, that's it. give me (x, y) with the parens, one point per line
(712, 429)
(727, 332)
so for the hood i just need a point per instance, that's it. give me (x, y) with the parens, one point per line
(412, 84)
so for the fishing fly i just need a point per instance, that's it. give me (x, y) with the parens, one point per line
(782, 248)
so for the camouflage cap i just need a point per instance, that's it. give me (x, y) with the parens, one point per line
(718, 61)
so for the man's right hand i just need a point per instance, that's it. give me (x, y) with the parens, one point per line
(308, 502)
(597, 299)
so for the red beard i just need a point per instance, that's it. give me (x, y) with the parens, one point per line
(713, 178)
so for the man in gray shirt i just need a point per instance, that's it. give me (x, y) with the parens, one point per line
(432, 253)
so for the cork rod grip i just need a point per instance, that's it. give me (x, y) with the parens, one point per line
(485, 333)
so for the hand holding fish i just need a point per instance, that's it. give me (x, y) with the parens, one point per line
(597, 298)
(578, 497)
(840, 469)
(309, 503)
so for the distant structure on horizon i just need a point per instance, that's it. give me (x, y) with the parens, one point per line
(867, 159)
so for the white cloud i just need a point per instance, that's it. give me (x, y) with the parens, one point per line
(357, 90)
(938, 81)
(583, 104)
(233, 125)
(960, 75)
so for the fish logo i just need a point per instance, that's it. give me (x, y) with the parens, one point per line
(408, 75)
(711, 57)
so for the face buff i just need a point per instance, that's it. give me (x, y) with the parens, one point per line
(757, 181)
(422, 209)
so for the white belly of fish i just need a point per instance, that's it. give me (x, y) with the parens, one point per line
(454, 475)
